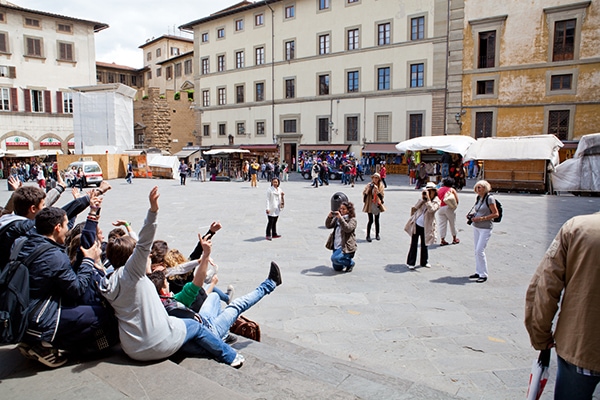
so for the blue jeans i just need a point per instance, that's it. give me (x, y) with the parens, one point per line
(223, 296)
(201, 341)
(445, 170)
(206, 337)
(572, 385)
(339, 259)
(221, 320)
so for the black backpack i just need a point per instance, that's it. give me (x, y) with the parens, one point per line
(498, 206)
(14, 294)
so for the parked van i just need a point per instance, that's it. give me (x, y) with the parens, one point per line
(92, 173)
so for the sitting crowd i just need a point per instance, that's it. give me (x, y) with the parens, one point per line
(88, 294)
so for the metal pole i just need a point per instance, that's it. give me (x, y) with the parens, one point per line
(272, 71)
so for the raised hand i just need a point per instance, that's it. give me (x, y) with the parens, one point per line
(153, 197)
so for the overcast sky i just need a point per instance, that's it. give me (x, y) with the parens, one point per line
(131, 22)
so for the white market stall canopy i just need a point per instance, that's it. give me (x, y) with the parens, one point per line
(449, 143)
(32, 153)
(225, 151)
(538, 147)
(164, 166)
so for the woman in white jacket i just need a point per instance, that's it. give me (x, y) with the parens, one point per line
(274, 206)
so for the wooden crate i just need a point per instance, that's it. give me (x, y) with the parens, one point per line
(522, 175)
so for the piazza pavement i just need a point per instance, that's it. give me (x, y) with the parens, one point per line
(431, 326)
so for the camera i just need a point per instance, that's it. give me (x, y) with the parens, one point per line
(470, 218)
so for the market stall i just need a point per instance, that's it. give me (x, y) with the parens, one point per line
(427, 152)
(519, 163)
(164, 167)
(226, 162)
(580, 174)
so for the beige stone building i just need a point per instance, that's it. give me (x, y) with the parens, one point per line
(42, 56)
(338, 75)
(164, 110)
(525, 69)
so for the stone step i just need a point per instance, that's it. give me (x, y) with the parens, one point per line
(276, 369)
(113, 377)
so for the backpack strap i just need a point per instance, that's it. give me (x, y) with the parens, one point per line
(14, 254)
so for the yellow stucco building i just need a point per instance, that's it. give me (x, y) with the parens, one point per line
(524, 68)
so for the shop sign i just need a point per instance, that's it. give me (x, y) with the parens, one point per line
(17, 141)
(71, 143)
(50, 142)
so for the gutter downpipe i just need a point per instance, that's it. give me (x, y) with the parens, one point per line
(272, 71)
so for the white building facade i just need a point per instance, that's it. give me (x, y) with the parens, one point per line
(343, 74)
(42, 55)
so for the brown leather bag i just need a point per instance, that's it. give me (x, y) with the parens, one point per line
(246, 327)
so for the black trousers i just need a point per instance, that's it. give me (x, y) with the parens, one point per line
(370, 224)
(412, 253)
(272, 226)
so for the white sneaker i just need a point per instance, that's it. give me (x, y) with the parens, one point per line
(238, 361)
(211, 271)
(229, 293)
(411, 267)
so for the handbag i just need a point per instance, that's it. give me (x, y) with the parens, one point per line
(450, 200)
(246, 327)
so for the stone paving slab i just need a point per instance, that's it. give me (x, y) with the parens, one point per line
(381, 316)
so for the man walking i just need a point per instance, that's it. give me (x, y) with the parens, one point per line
(569, 267)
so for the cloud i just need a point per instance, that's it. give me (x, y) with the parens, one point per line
(131, 22)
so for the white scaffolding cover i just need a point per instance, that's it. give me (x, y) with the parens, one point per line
(582, 172)
(103, 119)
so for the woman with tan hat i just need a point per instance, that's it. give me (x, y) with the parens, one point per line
(422, 225)
(373, 204)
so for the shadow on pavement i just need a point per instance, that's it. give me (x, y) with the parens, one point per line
(320, 270)
(255, 239)
(396, 268)
(452, 280)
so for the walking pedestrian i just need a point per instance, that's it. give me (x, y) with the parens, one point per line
(183, 171)
(383, 174)
(129, 175)
(254, 167)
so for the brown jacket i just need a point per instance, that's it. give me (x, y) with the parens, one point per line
(430, 208)
(570, 265)
(348, 234)
(368, 197)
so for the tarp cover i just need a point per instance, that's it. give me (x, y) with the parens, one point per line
(449, 143)
(225, 151)
(166, 162)
(538, 147)
(582, 172)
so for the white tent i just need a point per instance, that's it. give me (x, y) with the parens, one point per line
(582, 172)
(448, 143)
(215, 152)
(538, 147)
(164, 166)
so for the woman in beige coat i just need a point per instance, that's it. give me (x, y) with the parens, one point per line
(422, 225)
(373, 204)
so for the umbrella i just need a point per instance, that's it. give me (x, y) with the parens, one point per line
(539, 375)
